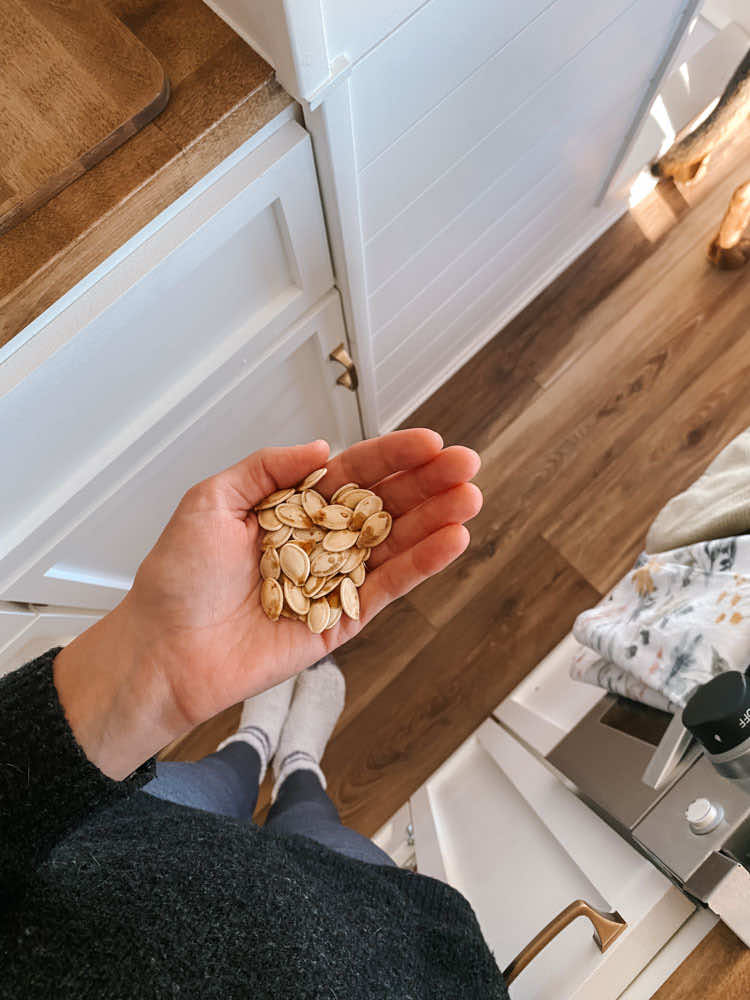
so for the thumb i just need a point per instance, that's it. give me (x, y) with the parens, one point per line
(250, 480)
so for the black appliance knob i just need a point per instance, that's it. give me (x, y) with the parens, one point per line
(718, 712)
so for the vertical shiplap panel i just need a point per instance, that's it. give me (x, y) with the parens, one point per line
(427, 58)
(480, 103)
(583, 139)
(483, 317)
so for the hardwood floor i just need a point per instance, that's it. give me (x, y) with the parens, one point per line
(606, 396)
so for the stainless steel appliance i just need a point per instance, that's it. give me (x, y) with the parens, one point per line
(681, 800)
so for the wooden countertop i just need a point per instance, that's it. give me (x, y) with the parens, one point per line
(222, 93)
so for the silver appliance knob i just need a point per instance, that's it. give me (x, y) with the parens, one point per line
(703, 816)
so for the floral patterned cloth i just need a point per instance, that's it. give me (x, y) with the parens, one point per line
(589, 667)
(675, 621)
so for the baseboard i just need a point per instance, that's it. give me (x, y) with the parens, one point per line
(508, 313)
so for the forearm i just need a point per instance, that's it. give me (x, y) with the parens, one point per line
(113, 695)
(48, 786)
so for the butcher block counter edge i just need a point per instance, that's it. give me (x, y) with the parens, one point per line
(223, 93)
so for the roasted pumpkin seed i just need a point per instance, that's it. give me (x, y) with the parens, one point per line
(267, 519)
(352, 497)
(273, 499)
(295, 563)
(295, 598)
(355, 558)
(312, 501)
(293, 514)
(334, 617)
(276, 538)
(325, 563)
(330, 586)
(270, 565)
(365, 508)
(308, 534)
(344, 489)
(339, 541)
(318, 615)
(335, 517)
(349, 598)
(311, 584)
(375, 530)
(311, 479)
(271, 598)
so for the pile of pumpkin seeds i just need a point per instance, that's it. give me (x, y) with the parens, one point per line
(315, 551)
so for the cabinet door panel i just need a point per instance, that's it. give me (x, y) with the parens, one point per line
(35, 631)
(287, 397)
(218, 282)
(13, 622)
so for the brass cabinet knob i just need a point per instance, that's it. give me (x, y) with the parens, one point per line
(607, 928)
(348, 378)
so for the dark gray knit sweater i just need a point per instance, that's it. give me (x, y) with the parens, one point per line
(106, 892)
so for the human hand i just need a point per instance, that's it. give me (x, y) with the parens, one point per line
(195, 637)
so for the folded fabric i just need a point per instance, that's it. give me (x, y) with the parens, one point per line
(676, 620)
(716, 506)
(590, 668)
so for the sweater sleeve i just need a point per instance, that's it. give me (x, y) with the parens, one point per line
(48, 786)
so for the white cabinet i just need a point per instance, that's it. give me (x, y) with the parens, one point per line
(212, 288)
(462, 151)
(14, 619)
(88, 552)
(206, 337)
(29, 632)
(497, 823)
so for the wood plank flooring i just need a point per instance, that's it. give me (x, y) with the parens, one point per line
(607, 395)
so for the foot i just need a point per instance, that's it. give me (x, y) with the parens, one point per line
(317, 704)
(261, 721)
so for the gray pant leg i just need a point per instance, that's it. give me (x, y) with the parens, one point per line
(225, 782)
(302, 807)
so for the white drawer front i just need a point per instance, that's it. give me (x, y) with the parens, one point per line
(228, 273)
(495, 823)
(13, 622)
(87, 554)
(34, 632)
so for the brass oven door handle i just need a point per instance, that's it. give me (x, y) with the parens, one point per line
(348, 378)
(607, 928)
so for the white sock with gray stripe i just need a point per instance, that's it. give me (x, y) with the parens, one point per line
(316, 706)
(261, 721)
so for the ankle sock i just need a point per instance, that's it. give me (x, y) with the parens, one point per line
(316, 706)
(262, 720)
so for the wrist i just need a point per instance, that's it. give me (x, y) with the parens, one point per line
(113, 699)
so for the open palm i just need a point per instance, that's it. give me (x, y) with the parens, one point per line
(197, 592)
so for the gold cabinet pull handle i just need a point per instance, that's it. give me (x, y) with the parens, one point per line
(607, 928)
(348, 378)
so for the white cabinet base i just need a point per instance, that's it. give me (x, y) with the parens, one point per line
(26, 632)
(497, 824)
(88, 553)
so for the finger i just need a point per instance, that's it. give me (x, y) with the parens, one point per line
(455, 506)
(398, 576)
(246, 483)
(407, 570)
(404, 490)
(370, 461)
